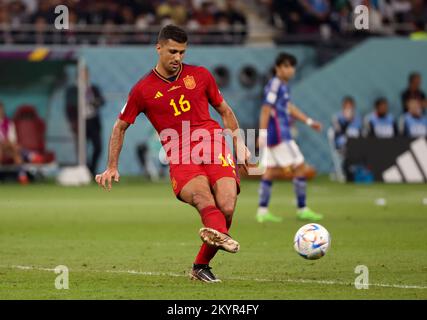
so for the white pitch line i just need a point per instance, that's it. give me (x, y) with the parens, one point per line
(170, 274)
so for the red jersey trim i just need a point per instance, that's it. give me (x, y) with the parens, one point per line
(165, 79)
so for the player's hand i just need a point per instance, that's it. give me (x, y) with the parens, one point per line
(243, 156)
(105, 179)
(316, 125)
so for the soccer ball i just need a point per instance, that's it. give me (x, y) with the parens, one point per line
(312, 241)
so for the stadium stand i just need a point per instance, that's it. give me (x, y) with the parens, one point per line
(208, 21)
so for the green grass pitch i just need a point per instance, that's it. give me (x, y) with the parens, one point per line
(138, 242)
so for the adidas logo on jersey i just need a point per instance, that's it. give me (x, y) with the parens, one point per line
(158, 95)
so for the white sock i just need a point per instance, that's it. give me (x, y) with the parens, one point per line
(262, 211)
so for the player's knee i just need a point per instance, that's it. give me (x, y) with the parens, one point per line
(202, 198)
(268, 174)
(300, 170)
(227, 207)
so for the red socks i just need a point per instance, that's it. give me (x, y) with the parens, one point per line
(213, 218)
(205, 255)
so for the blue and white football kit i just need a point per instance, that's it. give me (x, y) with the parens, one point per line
(281, 150)
(414, 127)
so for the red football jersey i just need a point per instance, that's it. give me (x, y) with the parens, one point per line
(168, 104)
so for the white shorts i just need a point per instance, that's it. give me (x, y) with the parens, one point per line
(285, 154)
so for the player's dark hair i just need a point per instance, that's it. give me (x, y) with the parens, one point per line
(286, 58)
(348, 99)
(379, 102)
(412, 76)
(174, 33)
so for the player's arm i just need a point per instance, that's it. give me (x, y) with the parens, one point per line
(230, 122)
(128, 114)
(264, 117)
(115, 146)
(301, 116)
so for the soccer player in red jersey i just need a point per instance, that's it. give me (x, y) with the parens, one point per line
(175, 97)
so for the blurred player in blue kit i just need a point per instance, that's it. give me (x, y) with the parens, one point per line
(280, 153)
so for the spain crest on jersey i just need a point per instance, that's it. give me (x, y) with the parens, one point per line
(189, 82)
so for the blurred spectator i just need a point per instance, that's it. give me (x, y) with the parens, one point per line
(230, 23)
(173, 10)
(380, 123)
(127, 16)
(413, 91)
(18, 13)
(413, 123)
(315, 12)
(289, 12)
(205, 16)
(144, 19)
(10, 151)
(94, 101)
(45, 11)
(419, 11)
(341, 15)
(30, 6)
(419, 31)
(346, 124)
(4, 15)
(40, 25)
(234, 13)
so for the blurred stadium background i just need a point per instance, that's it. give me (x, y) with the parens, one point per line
(236, 40)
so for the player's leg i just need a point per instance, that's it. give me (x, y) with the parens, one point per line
(269, 161)
(300, 185)
(197, 192)
(192, 184)
(225, 192)
(264, 191)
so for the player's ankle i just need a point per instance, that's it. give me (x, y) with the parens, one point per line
(262, 210)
